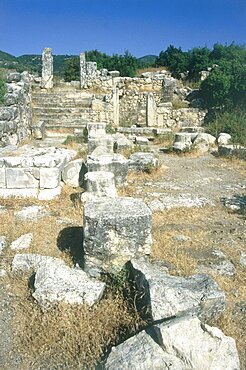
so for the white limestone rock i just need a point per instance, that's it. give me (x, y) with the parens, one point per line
(96, 128)
(141, 140)
(99, 184)
(142, 161)
(204, 141)
(72, 173)
(182, 141)
(101, 140)
(30, 261)
(180, 344)
(115, 231)
(3, 243)
(173, 295)
(32, 213)
(48, 194)
(224, 139)
(23, 242)
(121, 142)
(55, 282)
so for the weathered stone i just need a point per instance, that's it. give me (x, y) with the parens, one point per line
(231, 149)
(99, 184)
(55, 282)
(115, 163)
(116, 230)
(22, 178)
(32, 213)
(38, 130)
(23, 242)
(223, 138)
(142, 161)
(2, 178)
(169, 85)
(3, 243)
(182, 141)
(141, 140)
(151, 110)
(173, 295)
(48, 194)
(13, 77)
(73, 173)
(116, 106)
(105, 140)
(179, 344)
(96, 128)
(204, 141)
(25, 262)
(47, 69)
(121, 142)
(114, 74)
(243, 259)
(50, 178)
(82, 70)
(91, 70)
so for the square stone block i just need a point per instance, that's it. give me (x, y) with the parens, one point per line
(107, 141)
(21, 178)
(115, 231)
(50, 178)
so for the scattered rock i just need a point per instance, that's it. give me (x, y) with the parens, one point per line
(181, 238)
(182, 141)
(236, 203)
(23, 242)
(3, 273)
(183, 343)
(55, 282)
(142, 161)
(99, 184)
(31, 261)
(243, 259)
(182, 200)
(73, 173)
(223, 138)
(3, 243)
(32, 213)
(121, 142)
(173, 295)
(141, 140)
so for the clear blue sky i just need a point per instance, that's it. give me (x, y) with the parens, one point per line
(141, 26)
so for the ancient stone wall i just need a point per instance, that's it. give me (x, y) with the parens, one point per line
(16, 116)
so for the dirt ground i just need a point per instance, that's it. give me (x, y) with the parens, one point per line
(199, 225)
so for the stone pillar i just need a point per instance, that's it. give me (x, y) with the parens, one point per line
(168, 89)
(91, 70)
(116, 106)
(151, 111)
(47, 69)
(82, 70)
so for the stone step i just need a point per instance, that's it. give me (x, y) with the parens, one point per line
(50, 104)
(54, 102)
(60, 111)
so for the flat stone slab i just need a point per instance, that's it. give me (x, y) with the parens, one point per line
(99, 184)
(32, 213)
(31, 261)
(180, 344)
(23, 242)
(55, 282)
(116, 230)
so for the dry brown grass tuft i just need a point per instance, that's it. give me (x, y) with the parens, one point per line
(75, 336)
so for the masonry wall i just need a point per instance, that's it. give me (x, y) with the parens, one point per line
(16, 115)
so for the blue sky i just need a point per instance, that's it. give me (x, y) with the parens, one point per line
(112, 26)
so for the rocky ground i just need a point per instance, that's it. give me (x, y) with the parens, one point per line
(199, 224)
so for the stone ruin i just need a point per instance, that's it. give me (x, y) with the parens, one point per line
(117, 230)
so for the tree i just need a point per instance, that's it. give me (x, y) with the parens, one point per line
(199, 60)
(72, 69)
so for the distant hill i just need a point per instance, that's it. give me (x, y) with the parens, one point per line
(147, 60)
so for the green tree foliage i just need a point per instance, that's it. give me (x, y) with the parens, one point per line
(175, 59)
(126, 64)
(2, 88)
(72, 69)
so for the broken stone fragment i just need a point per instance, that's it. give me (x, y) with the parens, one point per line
(23, 242)
(116, 230)
(99, 184)
(173, 295)
(55, 282)
(73, 173)
(180, 344)
(142, 161)
(31, 261)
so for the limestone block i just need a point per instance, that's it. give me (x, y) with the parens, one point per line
(13, 77)
(30, 261)
(115, 163)
(55, 282)
(38, 130)
(121, 142)
(25, 193)
(182, 141)
(3, 243)
(49, 177)
(22, 178)
(116, 230)
(96, 128)
(105, 140)
(174, 295)
(2, 178)
(48, 194)
(47, 69)
(114, 74)
(182, 344)
(224, 138)
(99, 184)
(151, 110)
(73, 173)
(23, 242)
(91, 70)
(141, 140)
(142, 161)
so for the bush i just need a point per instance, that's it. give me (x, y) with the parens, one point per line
(233, 123)
(72, 70)
(3, 89)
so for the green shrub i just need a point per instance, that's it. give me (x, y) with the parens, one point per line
(3, 89)
(233, 123)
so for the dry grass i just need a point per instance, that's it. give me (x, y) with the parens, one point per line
(75, 336)
(203, 229)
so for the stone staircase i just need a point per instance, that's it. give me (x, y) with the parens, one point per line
(62, 111)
